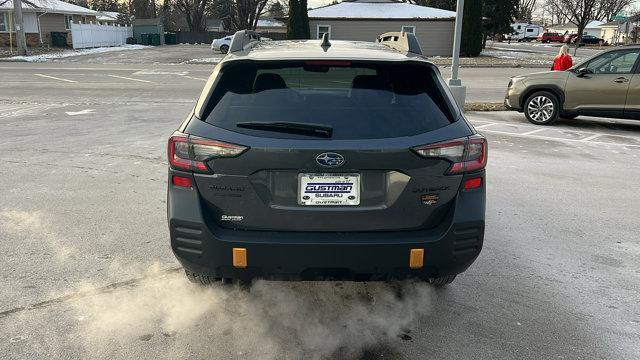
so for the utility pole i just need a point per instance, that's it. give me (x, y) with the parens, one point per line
(459, 92)
(21, 40)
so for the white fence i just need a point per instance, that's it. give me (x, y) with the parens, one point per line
(94, 35)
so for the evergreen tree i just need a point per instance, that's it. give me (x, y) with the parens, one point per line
(471, 43)
(304, 17)
(440, 4)
(293, 21)
(104, 5)
(498, 16)
(298, 24)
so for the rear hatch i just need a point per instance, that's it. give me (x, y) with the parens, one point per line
(328, 146)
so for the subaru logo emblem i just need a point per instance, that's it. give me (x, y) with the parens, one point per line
(330, 159)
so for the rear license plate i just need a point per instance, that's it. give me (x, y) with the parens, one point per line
(329, 189)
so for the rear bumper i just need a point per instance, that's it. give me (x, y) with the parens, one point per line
(205, 248)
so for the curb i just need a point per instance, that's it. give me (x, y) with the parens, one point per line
(484, 107)
(12, 60)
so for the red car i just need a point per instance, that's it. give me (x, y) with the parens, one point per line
(550, 37)
(570, 38)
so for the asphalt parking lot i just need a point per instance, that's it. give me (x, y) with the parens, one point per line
(87, 271)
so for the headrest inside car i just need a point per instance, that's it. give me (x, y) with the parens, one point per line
(268, 81)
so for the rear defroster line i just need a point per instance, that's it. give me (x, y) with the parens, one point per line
(86, 293)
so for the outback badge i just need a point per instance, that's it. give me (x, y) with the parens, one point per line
(429, 199)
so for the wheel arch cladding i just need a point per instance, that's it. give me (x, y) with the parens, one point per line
(549, 88)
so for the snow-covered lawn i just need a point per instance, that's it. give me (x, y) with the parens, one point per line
(70, 53)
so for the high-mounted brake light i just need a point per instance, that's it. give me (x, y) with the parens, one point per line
(328, 62)
(191, 152)
(466, 154)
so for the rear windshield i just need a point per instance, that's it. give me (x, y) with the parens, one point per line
(358, 101)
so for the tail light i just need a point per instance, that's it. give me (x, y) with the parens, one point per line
(466, 154)
(191, 152)
(181, 181)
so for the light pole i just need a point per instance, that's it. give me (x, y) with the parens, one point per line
(455, 84)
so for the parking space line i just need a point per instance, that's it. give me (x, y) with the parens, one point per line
(55, 78)
(542, 137)
(485, 125)
(534, 131)
(132, 79)
(194, 78)
(12, 108)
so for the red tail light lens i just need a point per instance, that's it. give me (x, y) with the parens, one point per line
(472, 183)
(181, 181)
(466, 154)
(191, 152)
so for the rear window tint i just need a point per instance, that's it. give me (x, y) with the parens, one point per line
(359, 101)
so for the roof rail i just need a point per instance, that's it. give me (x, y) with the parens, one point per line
(400, 40)
(243, 39)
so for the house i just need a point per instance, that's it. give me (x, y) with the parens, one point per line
(107, 17)
(212, 24)
(592, 28)
(267, 26)
(366, 19)
(41, 18)
(617, 32)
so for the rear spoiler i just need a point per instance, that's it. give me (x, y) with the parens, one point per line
(243, 39)
(400, 40)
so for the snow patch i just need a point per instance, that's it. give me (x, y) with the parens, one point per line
(211, 60)
(70, 53)
(387, 10)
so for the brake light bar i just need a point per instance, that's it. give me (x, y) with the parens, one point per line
(328, 62)
(466, 154)
(190, 153)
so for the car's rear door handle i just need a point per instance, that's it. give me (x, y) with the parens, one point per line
(621, 80)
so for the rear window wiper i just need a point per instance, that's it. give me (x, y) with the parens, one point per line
(310, 129)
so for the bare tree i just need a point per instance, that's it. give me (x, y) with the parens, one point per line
(549, 8)
(239, 14)
(245, 14)
(194, 12)
(581, 12)
(142, 9)
(525, 9)
(277, 9)
(612, 7)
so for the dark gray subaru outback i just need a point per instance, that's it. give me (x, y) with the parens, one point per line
(324, 160)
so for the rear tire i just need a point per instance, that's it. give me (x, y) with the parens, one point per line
(542, 108)
(224, 49)
(441, 281)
